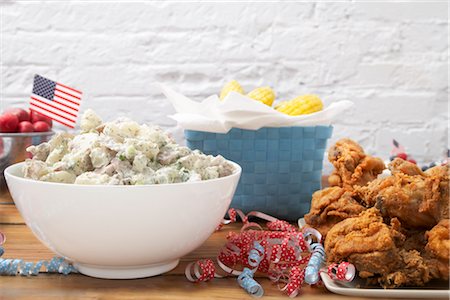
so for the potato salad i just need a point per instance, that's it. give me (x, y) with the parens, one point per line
(120, 152)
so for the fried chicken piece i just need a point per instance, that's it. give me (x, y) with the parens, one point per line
(441, 171)
(438, 249)
(415, 240)
(413, 271)
(330, 206)
(352, 165)
(440, 184)
(440, 174)
(387, 243)
(345, 154)
(400, 196)
(366, 241)
(399, 165)
(371, 246)
(418, 201)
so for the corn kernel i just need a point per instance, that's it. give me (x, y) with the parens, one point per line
(301, 105)
(233, 85)
(263, 94)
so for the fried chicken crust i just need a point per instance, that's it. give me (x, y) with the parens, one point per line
(418, 201)
(402, 166)
(330, 206)
(380, 225)
(438, 249)
(371, 246)
(352, 166)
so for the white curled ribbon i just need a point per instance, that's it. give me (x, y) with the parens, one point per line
(311, 235)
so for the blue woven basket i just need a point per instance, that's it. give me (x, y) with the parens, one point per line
(281, 167)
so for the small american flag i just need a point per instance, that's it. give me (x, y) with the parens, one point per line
(55, 100)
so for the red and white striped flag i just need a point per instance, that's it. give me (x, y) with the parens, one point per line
(55, 100)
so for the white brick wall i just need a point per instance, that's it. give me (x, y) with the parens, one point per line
(391, 59)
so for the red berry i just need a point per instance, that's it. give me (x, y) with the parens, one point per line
(8, 122)
(41, 126)
(21, 114)
(402, 156)
(26, 126)
(412, 161)
(36, 117)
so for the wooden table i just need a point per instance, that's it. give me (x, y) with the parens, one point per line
(21, 243)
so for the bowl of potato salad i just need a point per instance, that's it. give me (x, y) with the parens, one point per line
(120, 199)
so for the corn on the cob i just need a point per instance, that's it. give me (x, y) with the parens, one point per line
(302, 105)
(233, 85)
(263, 94)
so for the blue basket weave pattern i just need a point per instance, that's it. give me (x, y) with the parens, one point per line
(281, 167)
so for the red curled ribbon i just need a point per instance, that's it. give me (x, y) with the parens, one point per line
(200, 271)
(283, 253)
(345, 271)
(280, 225)
(295, 281)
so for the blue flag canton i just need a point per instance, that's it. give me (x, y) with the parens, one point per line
(44, 87)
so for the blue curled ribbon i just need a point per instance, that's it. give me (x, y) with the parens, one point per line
(256, 255)
(245, 279)
(314, 264)
(13, 267)
(250, 285)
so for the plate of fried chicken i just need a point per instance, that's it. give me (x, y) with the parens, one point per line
(394, 229)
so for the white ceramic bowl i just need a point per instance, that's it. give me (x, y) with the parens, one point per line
(122, 231)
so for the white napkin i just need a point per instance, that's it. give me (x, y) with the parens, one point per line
(239, 111)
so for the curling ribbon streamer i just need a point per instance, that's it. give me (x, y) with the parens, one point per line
(13, 267)
(256, 255)
(250, 285)
(200, 271)
(314, 264)
(295, 281)
(286, 254)
(311, 235)
(345, 271)
(245, 279)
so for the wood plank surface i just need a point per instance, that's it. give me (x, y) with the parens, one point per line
(10, 215)
(21, 243)
(5, 197)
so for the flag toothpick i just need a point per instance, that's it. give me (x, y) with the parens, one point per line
(55, 100)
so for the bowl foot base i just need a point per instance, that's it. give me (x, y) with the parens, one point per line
(131, 272)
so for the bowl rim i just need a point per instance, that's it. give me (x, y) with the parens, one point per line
(7, 173)
(26, 134)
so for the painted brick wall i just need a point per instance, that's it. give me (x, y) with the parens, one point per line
(391, 59)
